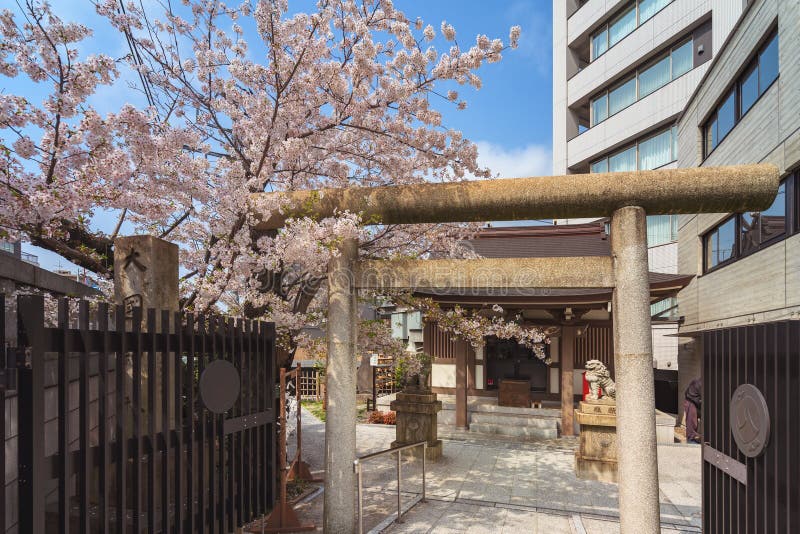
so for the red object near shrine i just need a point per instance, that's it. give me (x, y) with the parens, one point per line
(585, 386)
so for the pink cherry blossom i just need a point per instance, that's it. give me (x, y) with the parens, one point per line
(338, 97)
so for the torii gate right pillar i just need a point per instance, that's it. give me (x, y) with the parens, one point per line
(633, 360)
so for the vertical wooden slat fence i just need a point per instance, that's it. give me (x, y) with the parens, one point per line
(109, 428)
(743, 495)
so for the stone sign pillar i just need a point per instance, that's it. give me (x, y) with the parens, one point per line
(146, 276)
(633, 362)
(417, 411)
(146, 273)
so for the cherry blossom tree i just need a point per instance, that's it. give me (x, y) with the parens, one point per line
(344, 96)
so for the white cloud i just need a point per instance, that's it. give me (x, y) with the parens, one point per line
(530, 160)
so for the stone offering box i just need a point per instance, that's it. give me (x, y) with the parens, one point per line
(596, 457)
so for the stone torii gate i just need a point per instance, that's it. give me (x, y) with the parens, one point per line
(624, 197)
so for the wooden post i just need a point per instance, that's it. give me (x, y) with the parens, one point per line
(283, 517)
(461, 387)
(567, 345)
(470, 368)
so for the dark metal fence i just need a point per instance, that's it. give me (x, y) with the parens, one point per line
(155, 421)
(751, 470)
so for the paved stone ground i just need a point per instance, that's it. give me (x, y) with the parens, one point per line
(500, 486)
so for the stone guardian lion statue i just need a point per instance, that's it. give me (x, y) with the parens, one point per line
(601, 386)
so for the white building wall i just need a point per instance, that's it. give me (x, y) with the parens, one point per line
(663, 258)
(657, 109)
(665, 347)
(677, 18)
(574, 83)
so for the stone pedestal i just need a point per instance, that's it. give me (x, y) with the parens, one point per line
(596, 457)
(416, 421)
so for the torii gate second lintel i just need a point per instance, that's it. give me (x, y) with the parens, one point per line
(625, 197)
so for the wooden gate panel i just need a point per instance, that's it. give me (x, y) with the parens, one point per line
(118, 431)
(768, 357)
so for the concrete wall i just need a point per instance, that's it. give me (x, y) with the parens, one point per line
(665, 347)
(443, 375)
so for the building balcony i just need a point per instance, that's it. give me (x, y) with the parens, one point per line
(587, 17)
(644, 42)
(655, 110)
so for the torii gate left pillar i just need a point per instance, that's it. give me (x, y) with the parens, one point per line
(340, 376)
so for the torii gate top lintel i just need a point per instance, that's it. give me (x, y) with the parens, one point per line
(675, 191)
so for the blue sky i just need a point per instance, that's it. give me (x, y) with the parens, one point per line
(510, 118)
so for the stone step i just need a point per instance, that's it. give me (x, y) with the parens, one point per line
(514, 431)
(516, 420)
(554, 413)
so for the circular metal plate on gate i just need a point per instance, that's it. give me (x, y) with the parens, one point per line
(220, 385)
(750, 422)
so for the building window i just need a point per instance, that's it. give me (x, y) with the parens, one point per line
(748, 88)
(599, 109)
(744, 233)
(623, 161)
(656, 151)
(621, 96)
(655, 75)
(666, 309)
(721, 243)
(621, 26)
(631, 17)
(7, 246)
(661, 229)
(753, 83)
(599, 166)
(644, 155)
(759, 228)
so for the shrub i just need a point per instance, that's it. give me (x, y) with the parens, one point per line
(375, 417)
(382, 418)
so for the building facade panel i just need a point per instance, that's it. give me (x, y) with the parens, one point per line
(793, 274)
(765, 290)
(677, 19)
(663, 258)
(731, 61)
(585, 19)
(653, 111)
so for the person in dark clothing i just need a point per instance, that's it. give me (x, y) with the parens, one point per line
(693, 402)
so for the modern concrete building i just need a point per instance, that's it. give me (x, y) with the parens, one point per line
(745, 109)
(623, 72)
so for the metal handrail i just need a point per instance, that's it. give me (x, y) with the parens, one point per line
(357, 463)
